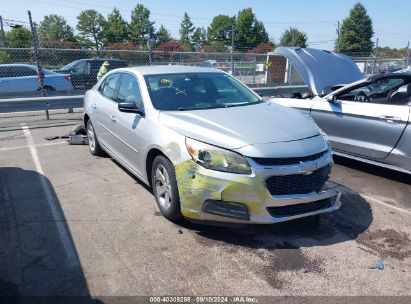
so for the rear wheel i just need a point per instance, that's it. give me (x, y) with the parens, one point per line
(93, 143)
(164, 183)
(48, 90)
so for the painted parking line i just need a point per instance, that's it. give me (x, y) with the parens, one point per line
(58, 219)
(27, 147)
(377, 201)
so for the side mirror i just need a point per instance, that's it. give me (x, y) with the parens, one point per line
(332, 98)
(130, 107)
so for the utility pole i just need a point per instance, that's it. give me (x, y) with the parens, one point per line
(337, 45)
(150, 46)
(3, 36)
(376, 45)
(232, 49)
(408, 55)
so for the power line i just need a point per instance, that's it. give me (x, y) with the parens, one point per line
(18, 21)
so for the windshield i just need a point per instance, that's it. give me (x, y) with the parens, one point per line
(195, 91)
(69, 66)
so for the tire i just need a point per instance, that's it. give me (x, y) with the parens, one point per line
(47, 90)
(93, 143)
(164, 185)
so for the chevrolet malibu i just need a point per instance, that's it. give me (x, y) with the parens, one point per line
(209, 147)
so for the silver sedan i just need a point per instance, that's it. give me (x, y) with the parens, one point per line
(210, 148)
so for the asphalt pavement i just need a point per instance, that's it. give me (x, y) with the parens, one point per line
(75, 224)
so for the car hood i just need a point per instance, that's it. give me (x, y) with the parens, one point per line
(236, 127)
(321, 69)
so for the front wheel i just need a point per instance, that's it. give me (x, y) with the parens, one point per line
(93, 143)
(164, 183)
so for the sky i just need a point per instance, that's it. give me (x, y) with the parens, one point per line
(317, 18)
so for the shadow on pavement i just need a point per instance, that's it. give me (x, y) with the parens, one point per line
(37, 254)
(352, 219)
(374, 170)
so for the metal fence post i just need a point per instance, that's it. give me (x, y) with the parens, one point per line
(254, 67)
(40, 72)
(374, 65)
(232, 49)
(150, 52)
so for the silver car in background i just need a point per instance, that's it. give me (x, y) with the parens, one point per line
(367, 119)
(210, 148)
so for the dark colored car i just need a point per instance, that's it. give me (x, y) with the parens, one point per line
(84, 72)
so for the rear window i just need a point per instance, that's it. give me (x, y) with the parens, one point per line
(20, 71)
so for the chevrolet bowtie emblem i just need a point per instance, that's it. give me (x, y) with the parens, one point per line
(308, 171)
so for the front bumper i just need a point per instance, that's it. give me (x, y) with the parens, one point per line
(225, 197)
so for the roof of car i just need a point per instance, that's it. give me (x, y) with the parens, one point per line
(103, 59)
(18, 65)
(171, 69)
(405, 74)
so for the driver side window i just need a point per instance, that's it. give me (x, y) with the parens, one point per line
(129, 90)
(109, 86)
(378, 91)
(358, 94)
(79, 68)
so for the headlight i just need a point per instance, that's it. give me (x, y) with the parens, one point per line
(326, 139)
(215, 158)
(324, 135)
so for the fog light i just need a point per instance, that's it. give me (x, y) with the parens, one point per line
(228, 209)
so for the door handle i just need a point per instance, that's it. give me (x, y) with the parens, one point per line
(388, 118)
(94, 106)
(113, 118)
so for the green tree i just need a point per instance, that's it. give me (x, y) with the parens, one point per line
(220, 29)
(356, 32)
(54, 28)
(199, 37)
(19, 38)
(249, 32)
(186, 31)
(5, 58)
(162, 35)
(293, 37)
(116, 29)
(90, 25)
(261, 35)
(141, 28)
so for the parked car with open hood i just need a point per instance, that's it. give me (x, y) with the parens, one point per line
(210, 148)
(367, 119)
(20, 79)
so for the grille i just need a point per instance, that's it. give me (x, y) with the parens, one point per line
(297, 209)
(298, 183)
(287, 161)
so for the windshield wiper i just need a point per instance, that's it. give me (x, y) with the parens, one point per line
(218, 106)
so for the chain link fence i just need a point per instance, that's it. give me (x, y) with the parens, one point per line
(68, 72)
(73, 71)
(376, 65)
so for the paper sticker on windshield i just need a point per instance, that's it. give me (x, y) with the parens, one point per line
(165, 81)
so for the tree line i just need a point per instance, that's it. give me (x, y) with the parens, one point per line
(243, 31)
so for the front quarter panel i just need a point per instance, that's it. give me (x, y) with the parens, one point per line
(303, 105)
